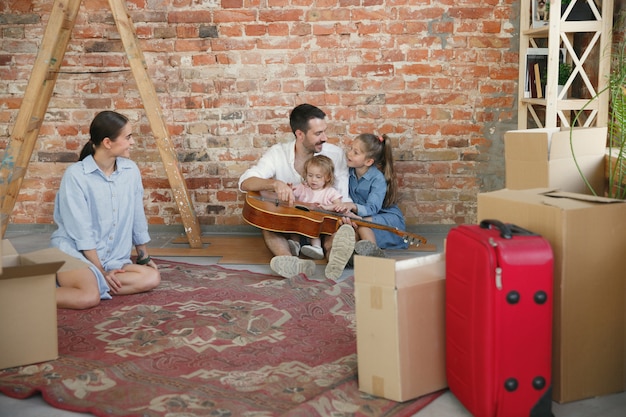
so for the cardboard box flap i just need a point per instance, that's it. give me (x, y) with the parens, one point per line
(556, 198)
(386, 271)
(582, 197)
(552, 143)
(545, 158)
(431, 267)
(547, 130)
(10, 257)
(561, 147)
(7, 248)
(34, 270)
(41, 262)
(527, 152)
(389, 268)
(530, 147)
(54, 255)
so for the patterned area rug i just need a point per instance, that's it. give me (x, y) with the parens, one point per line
(210, 341)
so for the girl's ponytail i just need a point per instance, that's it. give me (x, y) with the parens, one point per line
(388, 170)
(379, 148)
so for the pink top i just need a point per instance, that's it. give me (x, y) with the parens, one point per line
(325, 196)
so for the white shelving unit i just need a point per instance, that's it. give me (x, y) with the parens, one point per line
(587, 48)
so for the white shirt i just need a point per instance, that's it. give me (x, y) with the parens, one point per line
(278, 162)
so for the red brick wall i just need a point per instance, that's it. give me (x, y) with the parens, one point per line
(439, 77)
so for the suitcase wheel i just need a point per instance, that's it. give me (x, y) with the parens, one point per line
(510, 384)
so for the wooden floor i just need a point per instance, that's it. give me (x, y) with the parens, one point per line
(237, 249)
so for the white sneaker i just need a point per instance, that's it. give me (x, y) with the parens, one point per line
(290, 266)
(313, 252)
(340, 253)
(294, 247)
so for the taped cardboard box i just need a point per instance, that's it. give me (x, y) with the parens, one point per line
(28, 312)
(588, 238)
(400, 327)
(542, 158)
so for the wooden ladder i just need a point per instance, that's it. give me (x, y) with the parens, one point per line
(37, 97)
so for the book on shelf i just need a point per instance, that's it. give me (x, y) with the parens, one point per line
(538, 87)
(537, 71)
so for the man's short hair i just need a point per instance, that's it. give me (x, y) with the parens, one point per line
(301, 114)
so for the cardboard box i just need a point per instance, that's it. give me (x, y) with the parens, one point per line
(542, 158)
(588, 238)
(400, 329)
(28, 312)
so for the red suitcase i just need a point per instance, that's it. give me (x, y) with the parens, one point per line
(499, 320)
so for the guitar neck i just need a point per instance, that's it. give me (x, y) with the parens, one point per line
(410, 237)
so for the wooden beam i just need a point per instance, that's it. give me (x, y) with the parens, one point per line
(37, 97)
(34, 104)
(159, 129)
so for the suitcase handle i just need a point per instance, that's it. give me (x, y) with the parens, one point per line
(507, 230)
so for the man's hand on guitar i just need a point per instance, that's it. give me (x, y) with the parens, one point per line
(284, 192)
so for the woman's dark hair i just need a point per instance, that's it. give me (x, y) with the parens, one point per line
(379, 149)
(106, 124)
(301, 114)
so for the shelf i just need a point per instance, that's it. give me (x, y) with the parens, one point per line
(566, 27)
(583, 45)
(566, 104)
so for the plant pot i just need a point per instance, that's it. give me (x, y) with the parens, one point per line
(580, 12)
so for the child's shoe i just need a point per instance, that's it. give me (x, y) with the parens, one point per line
(294, 247)
(313, 252)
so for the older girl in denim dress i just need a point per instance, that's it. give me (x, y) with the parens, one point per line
(374, 191)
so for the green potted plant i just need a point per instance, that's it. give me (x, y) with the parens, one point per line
(616, 136)
(565, 70)
(616, 142)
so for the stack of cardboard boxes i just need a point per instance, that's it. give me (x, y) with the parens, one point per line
(400, 304)
(546, 194)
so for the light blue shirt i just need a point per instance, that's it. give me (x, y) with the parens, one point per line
(93, 211)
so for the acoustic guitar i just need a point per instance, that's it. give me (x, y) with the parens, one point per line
(306, 219)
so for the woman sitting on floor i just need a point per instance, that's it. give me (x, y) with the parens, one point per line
(100, 216)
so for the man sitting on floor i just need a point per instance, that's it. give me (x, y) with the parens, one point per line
(281, 167)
